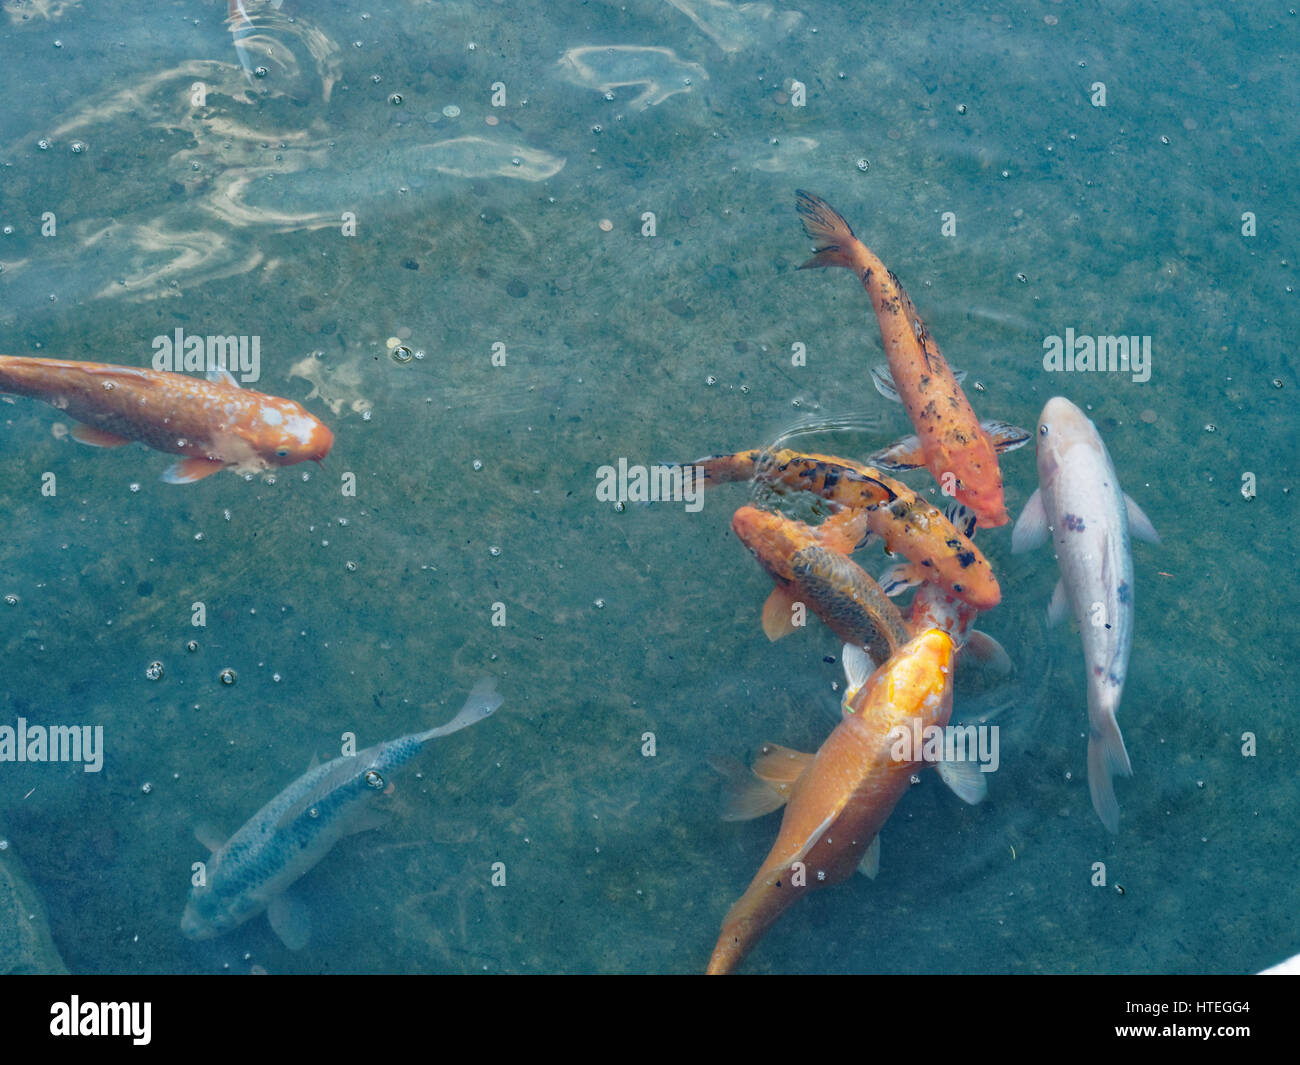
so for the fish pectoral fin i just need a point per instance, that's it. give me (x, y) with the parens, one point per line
(209, 837)
(1005, 436)
(988, 652)
(907, 454)
(884, 382)
(88, 434)
(1031, 527)
(965, 779)
(870, 864)
(289, 919)
(858, 666)
(844, 531)
(778, 614)
(897, 579)
(746, 796)
(1139, 524)
(187, 471)
(1060, 604)
(962, 518)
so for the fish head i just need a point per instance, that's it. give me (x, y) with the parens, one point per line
(934, 608)
(203, 919)
(286, 434)
(986, 500)
(773, 538)
(914, 686)
(1061, 426)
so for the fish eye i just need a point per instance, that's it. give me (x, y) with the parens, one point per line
(1042, 430)
(282, 452)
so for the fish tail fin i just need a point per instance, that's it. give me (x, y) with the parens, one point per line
(827, 229)
(484, 699)
(1106, 757)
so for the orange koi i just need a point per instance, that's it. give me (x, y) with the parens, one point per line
(953, 442)
(906, 522)
(817, 572)
(844, 794)
(215, 424)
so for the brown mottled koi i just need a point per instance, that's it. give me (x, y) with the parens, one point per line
(810, 570)
(953, 442)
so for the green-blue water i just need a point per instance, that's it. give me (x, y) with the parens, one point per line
(184, 193)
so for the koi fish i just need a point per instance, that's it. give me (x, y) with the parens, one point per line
(952, 439)
(1080, 504)
(296, 829)
(844, 794)
(214, 423)
(905, 522)
(934, 608)
(808, 570)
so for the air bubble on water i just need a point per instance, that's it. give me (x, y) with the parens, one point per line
(494, 551)
(276, 677)
(401, 353)
(710, 380)
(227, 676)
(43, 145)
(476, 464)
(619, 507)
(471, 47)
(365, 416)
(961, 109)
(146, 787)
(1210, 427)
(419, 354)
(351, 567)
(863, 165)
(199, 536)
(109, 386)
(154, 671)
(191, 645)
(78, 147)
(134, 486)
(600, 604)
(11, 599)
(451, 111)
(396, 99)
(516, 161)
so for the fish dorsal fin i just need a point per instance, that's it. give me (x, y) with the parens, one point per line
(222, 376)
(858, 666)
(1005, 436)
(870, 864)
(1031, 526)
(778, 614)
(1139, 524)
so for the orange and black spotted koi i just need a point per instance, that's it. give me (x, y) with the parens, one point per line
(905, 522)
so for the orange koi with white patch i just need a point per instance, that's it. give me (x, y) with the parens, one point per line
(214, 424)
(953, 441)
